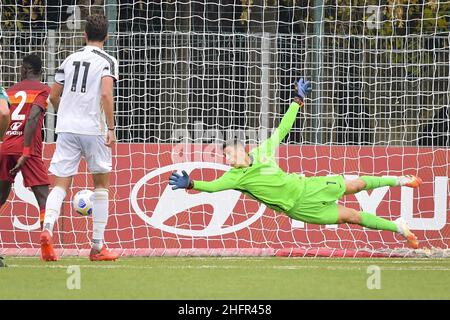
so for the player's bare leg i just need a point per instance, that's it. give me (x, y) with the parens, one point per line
(41, 194)
(5, 189)
(365, 219)
(354, 186)
(99, 252)
(348, 215)
(52, 211)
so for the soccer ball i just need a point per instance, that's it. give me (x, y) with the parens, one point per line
(82, 202)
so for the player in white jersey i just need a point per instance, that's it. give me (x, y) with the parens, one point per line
(83, 99)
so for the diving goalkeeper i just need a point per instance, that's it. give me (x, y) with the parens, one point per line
(308, 199)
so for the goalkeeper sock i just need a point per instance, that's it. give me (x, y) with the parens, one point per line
(378, 182)
(53, 207)
(373, 222)
(100, 217)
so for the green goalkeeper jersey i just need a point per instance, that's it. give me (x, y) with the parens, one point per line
(263, 180)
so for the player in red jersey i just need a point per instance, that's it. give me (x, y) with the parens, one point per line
(4, 122)
(22, 144)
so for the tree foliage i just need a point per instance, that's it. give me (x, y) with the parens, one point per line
(38, 14)
(22, 14)
(395, 17)
(344, 17)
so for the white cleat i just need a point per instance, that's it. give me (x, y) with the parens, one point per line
(409, 181)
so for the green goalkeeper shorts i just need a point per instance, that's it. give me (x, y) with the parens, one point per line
(317, 204)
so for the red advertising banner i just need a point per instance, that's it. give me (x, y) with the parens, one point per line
(145, 213)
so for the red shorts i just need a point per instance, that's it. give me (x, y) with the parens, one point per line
(34, 172)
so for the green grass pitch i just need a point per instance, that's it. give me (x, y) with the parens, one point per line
(226, 278)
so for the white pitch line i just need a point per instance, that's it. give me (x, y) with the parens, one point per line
(53, 266)
(306, 259)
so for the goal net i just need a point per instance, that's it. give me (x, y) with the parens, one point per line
(195, 73)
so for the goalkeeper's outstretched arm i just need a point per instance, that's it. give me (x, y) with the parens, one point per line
(239, 158)
(268, 147)
(4, 112)
(225, 182)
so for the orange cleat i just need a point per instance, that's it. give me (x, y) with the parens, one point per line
(47, 252)
(411, 240)
(411, 181)
(410, 237)
(103, 255)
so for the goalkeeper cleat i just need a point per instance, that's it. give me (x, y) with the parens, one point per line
(103, 255)
(403, 229)
(410, 181)
(412, 241)
(47, 251)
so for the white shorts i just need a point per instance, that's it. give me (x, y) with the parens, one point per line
(69, 149)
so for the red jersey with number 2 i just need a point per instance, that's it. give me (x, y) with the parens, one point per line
(23, 96)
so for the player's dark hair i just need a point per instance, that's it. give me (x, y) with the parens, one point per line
(232, 142)
(96, 27)
(32, 63)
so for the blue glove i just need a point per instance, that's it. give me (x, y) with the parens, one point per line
(303, 88)
(180, 182)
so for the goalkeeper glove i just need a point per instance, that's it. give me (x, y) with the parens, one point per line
(180, 182)
(302, 89)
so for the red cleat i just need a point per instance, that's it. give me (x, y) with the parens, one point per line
(103, 255)
(411, 181)
(47, 252)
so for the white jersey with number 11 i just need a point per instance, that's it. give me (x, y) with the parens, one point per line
(80, 109)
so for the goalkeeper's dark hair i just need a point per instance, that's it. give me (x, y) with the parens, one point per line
(96, 27)
(233, 142)
(32, 63)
